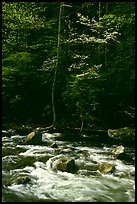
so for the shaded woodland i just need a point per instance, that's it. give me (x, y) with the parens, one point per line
(70, 64)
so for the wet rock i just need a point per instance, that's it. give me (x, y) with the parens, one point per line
(103, 168)
(21, 180)
(54, 145)
(118, 150)
(122, 155)
(106, 168)
(34, 137)
(66, 164)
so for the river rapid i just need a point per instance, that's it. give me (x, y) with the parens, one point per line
(46, 184)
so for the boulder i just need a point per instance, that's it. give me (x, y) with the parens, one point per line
(106, 168)
(21, 180)
(66, 164)
(122, 155)
(34, 137)
(118, 150)
(102, 168)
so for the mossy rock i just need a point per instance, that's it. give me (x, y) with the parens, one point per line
(103, 168)
(21, 180)
(34, 137)
(118, 150)
(106, 168)
(66, 164)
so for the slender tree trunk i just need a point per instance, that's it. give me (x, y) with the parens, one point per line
(56, 69)
(82, 123)
(99, 4)
(106, 44)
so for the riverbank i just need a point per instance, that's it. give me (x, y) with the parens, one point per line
(124, 136)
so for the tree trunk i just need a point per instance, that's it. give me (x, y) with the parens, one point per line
(106, 44)
(99, 4)
(56, 68)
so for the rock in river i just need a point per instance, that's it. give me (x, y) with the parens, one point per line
(106, 168)
(66, 164)
(34, 137)
(21, 180)
(118, 150)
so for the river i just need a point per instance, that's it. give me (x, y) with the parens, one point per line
(47, 185)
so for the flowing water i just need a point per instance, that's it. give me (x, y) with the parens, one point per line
(46, 184)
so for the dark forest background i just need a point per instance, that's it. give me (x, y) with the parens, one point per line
(95, 81)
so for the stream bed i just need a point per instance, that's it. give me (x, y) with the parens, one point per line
(45, 184)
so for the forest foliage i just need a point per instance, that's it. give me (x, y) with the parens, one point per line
(95, 83)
